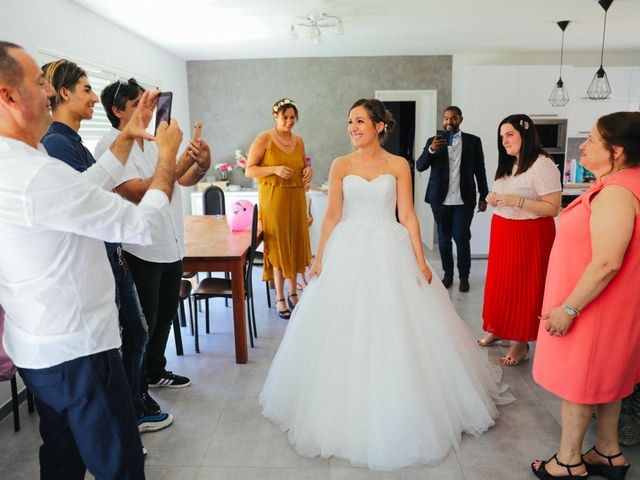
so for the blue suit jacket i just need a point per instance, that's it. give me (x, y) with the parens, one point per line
(471, 171)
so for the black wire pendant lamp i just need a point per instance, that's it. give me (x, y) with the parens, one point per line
(600, 88)
(559, 95)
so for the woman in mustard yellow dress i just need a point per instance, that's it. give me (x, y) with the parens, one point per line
(277, 162)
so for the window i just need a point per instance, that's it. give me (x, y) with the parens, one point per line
(93, 130)
(99, 77)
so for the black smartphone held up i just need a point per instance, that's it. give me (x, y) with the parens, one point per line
(163, 112)
(445, 135)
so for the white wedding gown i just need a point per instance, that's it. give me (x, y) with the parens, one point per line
(376, 366)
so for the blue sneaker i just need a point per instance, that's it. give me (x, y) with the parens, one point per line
(153, 423)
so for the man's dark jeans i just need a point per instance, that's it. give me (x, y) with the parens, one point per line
(132, 322)
(158, 286)
(454, 222)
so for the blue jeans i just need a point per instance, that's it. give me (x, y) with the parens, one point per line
(86, 419)
(132, 323)
(454, 222)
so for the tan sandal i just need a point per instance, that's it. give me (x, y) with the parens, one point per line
(488, 340)
(508, 361)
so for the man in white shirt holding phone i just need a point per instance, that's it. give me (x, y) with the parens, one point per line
(157, 269)
(56, 286)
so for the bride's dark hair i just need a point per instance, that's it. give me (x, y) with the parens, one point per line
(377, 113)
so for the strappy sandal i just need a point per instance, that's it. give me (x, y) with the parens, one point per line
(286, 314)
(487, 341)
(508, 361)
(611, 471)
(541, 471)
(291, 304)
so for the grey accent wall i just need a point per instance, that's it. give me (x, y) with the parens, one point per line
(233, 98)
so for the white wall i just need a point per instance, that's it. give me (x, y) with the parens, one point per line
(65, 27)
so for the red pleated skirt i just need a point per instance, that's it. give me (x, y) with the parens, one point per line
(518, 257)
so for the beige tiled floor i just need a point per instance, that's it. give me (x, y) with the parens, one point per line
(219, 434)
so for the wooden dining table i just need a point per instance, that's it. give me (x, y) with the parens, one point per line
(211, 246)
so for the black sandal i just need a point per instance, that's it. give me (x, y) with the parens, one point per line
(611, 472)
(542, 473)
(286, 314)
(291, 304)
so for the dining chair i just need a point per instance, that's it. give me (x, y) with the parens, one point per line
(213, 204)
(258, 261)
(180, 319)
(15, 403)
(221, 287)
(187, 276)
(213, 201)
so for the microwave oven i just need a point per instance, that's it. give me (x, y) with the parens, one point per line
(552, 133)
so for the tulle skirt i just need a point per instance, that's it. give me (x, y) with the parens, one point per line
(518, 257)
(375, 365)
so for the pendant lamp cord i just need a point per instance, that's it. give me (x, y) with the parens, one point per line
(561, 53)
(603, 32)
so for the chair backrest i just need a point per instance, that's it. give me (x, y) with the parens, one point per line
(7, 368)
(254, 244)
(213, 201)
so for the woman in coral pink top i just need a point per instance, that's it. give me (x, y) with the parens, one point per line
(588, 349)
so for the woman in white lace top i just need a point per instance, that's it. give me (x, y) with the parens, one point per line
(525, 197)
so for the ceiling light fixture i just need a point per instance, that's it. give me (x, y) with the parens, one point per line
(600, 88)
(314, 22)
(559, 95)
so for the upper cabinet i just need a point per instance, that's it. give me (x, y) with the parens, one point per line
(634, 90)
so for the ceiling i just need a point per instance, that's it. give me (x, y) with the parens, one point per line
(229, 29)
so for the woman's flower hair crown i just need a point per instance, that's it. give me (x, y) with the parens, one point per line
(284, 101)
(524, 124)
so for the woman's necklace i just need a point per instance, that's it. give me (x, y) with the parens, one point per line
(607, 176)
(286, 143)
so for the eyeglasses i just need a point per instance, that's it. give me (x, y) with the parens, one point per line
(131, 81)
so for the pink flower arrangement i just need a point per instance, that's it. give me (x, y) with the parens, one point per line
(224, 167)
(241, 160)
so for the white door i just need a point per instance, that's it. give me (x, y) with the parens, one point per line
(426, 118)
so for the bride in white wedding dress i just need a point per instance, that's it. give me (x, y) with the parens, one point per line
(376, 366)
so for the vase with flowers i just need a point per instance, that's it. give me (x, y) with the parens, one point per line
(241, 160)
(241, 164)
(224, 169)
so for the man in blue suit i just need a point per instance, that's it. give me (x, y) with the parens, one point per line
(457, 164)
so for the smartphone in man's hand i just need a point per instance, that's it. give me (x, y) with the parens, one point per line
(163, 113)
(197, 131)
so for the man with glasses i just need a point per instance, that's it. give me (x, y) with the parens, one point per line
(157, 269)
(56, 286)
(73, 103)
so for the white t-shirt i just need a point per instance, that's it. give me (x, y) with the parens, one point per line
(142, 164)
(542, 178)
(56, 285)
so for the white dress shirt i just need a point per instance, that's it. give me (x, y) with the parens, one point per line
(142, 164)
(56, 285)
(454, 197)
